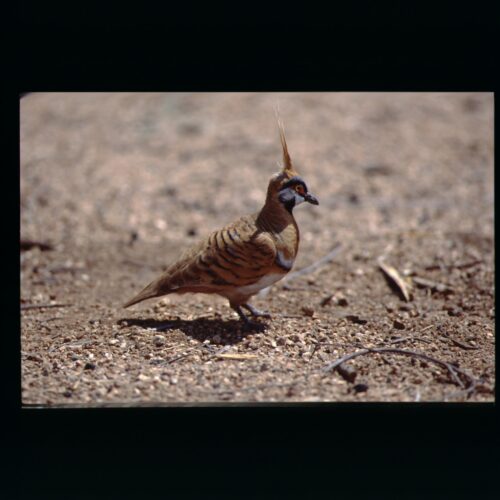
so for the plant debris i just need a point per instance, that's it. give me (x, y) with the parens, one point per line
(395, 278)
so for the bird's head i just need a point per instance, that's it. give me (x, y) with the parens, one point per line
(287, 187)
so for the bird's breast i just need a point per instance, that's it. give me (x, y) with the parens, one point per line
(264, 282)
(284, 260)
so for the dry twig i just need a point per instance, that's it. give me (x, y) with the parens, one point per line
(458, 343)
(42, 306)
(411, 337)
(452, 370)
(395, 278)
(306, 270)
(316, 265)
(463, 265)
(433, 285)
(235, 356)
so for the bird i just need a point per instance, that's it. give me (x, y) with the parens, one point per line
(245, 256)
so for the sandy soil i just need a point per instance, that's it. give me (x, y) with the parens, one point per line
(118, 184)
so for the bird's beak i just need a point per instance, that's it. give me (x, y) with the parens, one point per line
(311, 199)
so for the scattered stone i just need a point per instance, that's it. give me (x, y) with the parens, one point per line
(398, 325)
(308, 311)
(354, 318)
(89, 366)
(326, 300)
(348, 373)
(159, 340)
(342, 301)
(360, 388)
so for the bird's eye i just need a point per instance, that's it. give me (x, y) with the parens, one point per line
(299, 188)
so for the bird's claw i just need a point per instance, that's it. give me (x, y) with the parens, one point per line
(256, 312)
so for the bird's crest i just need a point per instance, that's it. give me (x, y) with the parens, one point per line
(287, 171)
(287, 162)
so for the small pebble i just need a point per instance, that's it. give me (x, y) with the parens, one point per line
(159, 340)
(360, 388)
(398, 325)
(354, 318)
(89, 366)
(347, 372)
(308, 311)
(326, 300)
(342, 301)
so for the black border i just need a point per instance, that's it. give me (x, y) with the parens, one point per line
(270, 451)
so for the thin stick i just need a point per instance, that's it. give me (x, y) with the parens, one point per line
(306, 270)
(458, 343)
(42, 306)
(464, 265)
(453, 370)
(189, 352)
(404, 339)
(316, 265)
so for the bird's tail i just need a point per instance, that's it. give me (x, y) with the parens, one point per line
(148, 293)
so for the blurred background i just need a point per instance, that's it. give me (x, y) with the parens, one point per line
(104, 166)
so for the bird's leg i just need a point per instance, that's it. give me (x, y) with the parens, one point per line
(248, 323)
(256, 312)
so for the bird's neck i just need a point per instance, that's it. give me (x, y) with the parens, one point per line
(275, 217)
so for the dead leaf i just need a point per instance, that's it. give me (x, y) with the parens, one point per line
(396, 278)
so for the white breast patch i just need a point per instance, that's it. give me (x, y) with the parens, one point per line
(264, 282)
(285, 263)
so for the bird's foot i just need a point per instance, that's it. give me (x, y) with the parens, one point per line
(256, 312)
(247, 323)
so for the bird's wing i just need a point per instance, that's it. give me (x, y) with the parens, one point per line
(237, 255)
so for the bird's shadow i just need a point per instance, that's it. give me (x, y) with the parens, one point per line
(229, 331)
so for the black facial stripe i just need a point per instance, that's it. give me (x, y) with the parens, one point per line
(287, 197)
(293, 182)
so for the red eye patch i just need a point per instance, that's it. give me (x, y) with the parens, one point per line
(300, 189)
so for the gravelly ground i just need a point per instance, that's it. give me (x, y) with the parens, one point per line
(119, 184)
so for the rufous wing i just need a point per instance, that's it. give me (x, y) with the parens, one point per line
(238, 255)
